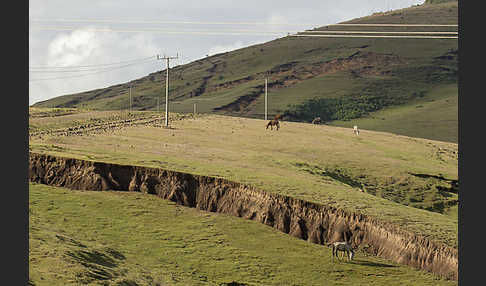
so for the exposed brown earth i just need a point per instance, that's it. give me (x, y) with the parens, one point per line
(202, 88)
(359, 64)
(306, 220)
(230, 84)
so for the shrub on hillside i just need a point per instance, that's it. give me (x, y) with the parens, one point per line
(346, 107)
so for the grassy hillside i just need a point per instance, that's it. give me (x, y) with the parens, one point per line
(335, 78)
(438, 1)
(434, 116)
(121, 238)
(408, 181)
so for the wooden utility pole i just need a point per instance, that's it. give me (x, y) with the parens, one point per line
(167, 88)
(130, 98)
(266, 83)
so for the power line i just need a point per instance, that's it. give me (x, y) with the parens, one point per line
(223, 23)
(380, 32)
(82, 75)
(100, 69)
(259, 33)
(376, 36)
(88, 66)
(164, 31)
(167, 22)
(234, 23)
(396, 25)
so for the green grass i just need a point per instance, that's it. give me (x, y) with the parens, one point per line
(406, 86)
(438, 1)
(434, 116)
(121, 238)
(328, 86)
(295, 161)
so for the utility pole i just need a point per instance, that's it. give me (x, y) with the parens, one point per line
(266, 83)
(130, 99)
(167, 87)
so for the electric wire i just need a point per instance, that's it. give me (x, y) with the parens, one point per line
(375, 36)
(164, 31)
(91, 66)
(394, 25)
(381, 32)
(86, 74)
(259, 33)
(238, 23)
(167, 22)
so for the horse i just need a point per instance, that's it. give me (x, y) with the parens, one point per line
(316, 120)
(344, 247)
(272, 123)
(355, 129)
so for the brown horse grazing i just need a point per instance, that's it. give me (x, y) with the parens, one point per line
(272, 123)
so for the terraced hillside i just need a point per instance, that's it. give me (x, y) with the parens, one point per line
(404, 86)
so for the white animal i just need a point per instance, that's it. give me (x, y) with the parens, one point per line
(355, 129)
(344, 247)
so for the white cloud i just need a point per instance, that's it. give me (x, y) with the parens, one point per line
(84, 47)
(72, 49)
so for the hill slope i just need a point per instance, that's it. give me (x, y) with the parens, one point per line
(121, 238)
(334, 78)
(402, 180)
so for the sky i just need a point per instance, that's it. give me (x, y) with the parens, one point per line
(77, 46)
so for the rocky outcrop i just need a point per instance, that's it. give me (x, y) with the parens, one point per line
(306, 220)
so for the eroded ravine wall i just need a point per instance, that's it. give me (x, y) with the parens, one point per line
(309, 221)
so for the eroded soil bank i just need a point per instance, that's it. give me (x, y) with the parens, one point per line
(309, 221)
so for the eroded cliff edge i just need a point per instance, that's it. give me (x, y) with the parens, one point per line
(306, 220)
